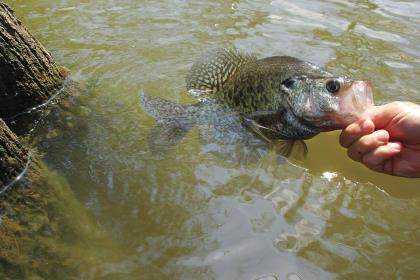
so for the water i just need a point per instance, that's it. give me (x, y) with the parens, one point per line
(209, 211)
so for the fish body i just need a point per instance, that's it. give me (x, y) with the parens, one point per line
(279, 97)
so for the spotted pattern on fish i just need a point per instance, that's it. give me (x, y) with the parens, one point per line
(278, 97)
(244, 82)
(215, 67)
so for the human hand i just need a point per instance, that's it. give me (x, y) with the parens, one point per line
(388, 140)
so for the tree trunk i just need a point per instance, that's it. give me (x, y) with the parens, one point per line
(38, 228)
(45, 233)
(13, 156)
(28, 74)
(41, 221)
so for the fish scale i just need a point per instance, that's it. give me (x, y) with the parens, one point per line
(215, 67)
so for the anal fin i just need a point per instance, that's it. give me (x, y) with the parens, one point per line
(166, 135)
(173, 122)
(296, 149)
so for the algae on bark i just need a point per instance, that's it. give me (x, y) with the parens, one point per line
(45, 232)
(28, 73)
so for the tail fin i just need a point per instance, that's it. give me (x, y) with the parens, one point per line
(215, 67)
(173, 121)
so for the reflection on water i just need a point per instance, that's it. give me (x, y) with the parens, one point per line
(212, 211)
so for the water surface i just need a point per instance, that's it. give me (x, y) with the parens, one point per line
(212, 211)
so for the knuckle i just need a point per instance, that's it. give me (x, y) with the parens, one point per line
(344, 139)
(372, 162)
(354, 153)
(350, 134)
(369, 160)
(397, 103)
(372, 141)
(353, 130)
(388, 167)
(350, 154)
(366, 143)
(377, 167)
(400, 105)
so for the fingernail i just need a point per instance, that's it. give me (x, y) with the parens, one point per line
(367, 126)
(395, 146)
(355, 128)
(382, 136)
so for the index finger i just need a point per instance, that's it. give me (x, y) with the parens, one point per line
(356, 130)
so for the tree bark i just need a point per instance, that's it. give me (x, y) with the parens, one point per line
(13, 156)
(38, 227)
(41, 220)
(28, 74)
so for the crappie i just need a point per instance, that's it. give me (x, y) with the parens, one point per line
(216, 123)
(278, 97)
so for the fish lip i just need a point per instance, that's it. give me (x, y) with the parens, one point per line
(354, 102)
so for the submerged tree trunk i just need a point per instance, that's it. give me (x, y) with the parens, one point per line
(28, 74)
(45, 233)
(28, 77)
(37, 230)
(13, 156)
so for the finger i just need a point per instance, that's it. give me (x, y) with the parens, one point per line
(354, 131)
(367, 143)
(378, 159)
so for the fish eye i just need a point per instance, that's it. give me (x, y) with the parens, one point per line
(289, 83)
(333, 86)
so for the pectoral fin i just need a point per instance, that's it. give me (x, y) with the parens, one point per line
(266, 125)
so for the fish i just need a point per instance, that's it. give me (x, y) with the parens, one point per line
(278, 99)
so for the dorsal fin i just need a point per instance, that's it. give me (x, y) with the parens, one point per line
(215, 67)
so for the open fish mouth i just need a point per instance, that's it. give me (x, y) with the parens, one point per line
(354, 100)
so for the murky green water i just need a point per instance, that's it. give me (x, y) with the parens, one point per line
(212, 211)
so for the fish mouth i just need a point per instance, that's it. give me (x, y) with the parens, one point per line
(346, 106)
(353, 102)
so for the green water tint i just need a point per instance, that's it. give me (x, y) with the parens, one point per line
(45, 232)
(213, 211)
